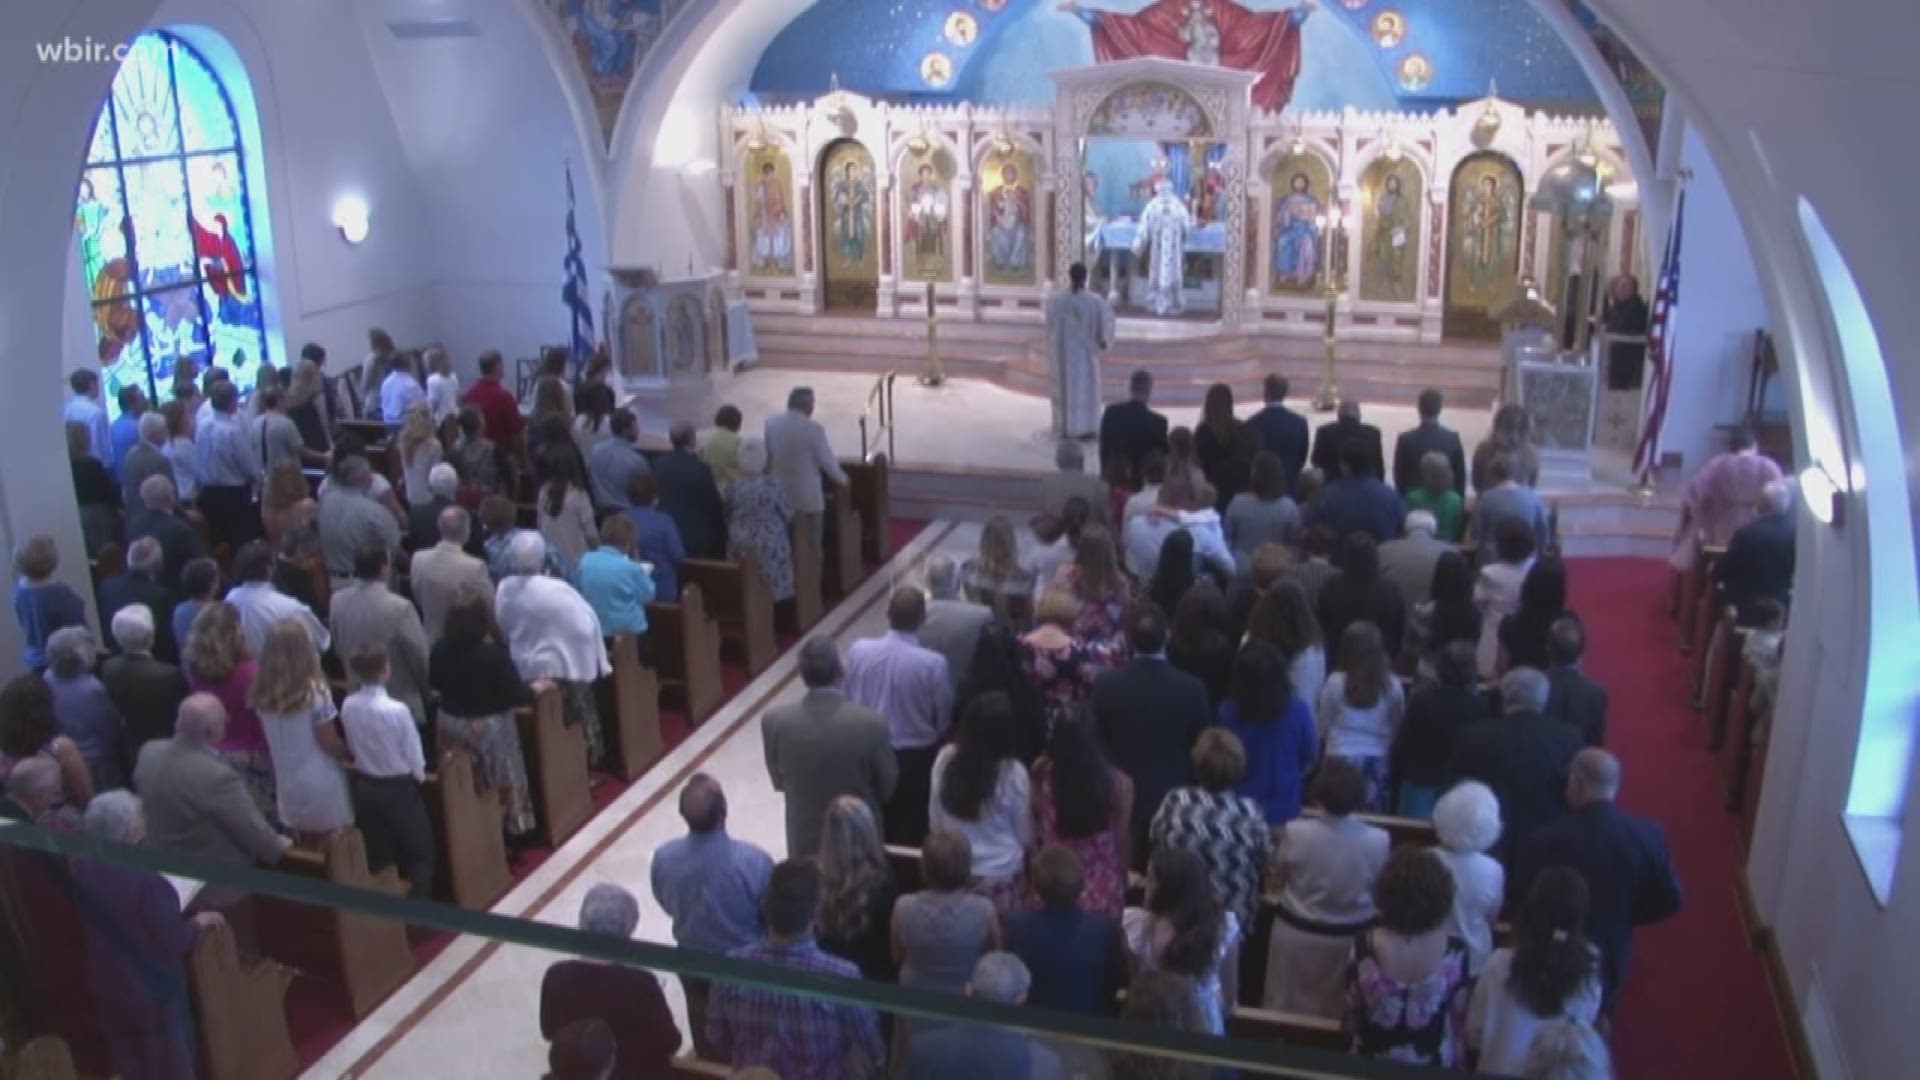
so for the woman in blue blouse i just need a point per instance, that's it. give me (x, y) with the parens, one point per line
(1276, 728)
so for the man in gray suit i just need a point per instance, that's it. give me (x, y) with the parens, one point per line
(953, 622)
(825, 746)
(1073, 479)
(146, 458)
(439, 573)
(368, 615)
(197, 804)
(1409, 560)
(798, 456)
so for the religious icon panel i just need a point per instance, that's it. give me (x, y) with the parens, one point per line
(1483, 252)
(1390, 231)
(1301, 186)
(1007, 199)
(926, 216)
(769, 177)
(849, 238)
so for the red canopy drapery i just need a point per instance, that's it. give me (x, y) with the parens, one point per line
(1266, 42)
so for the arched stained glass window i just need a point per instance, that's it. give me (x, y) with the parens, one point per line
(166, 225)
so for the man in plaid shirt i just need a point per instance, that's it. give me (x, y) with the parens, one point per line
(798, 1038)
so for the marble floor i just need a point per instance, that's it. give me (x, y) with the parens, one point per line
(964, 422)
(475, 1007)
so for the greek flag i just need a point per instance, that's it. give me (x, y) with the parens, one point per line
(574, 292)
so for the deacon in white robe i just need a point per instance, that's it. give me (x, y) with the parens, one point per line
(1079, 328)
(1163, 226)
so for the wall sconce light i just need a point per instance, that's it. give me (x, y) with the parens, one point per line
(350, 216)
(1826, 499)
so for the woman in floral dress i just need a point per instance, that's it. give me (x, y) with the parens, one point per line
(1059, 663)
(1085, 804)
(759, 519)
(1407, 994)
(1100, 591)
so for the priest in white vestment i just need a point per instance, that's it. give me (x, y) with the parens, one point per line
(553, 633)
(1079, 328)
(1164, 225)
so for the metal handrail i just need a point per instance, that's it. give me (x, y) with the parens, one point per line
(879, 399)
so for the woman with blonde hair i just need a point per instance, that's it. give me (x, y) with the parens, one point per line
(297, 714)
(218, 662)
(420, 451)
(308, 407)
(857, 889)
(285, 502)
(443, 386)
(1059, 662)
(995, 577)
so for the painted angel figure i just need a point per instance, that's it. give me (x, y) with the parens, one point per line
(772, 226)
(1164, 225)
(1009, 225)
(852, 214)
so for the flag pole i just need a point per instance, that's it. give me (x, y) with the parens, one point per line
(1644, 487)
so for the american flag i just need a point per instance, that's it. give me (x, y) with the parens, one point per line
(1660, 346)
(574, 292)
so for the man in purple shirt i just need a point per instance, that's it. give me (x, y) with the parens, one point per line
(797, 1038)
(897, 677)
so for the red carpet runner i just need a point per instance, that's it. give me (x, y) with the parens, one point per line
(1696, 1004)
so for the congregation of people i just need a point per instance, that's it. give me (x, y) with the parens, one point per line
(1140, 744)
(301, 611)
(1138, 757)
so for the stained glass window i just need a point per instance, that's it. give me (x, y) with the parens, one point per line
(165, 225)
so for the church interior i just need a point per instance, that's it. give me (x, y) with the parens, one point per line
(1656, 234)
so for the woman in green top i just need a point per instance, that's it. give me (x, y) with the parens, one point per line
(1437, 496)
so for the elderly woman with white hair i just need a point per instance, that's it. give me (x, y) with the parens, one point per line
(424, 507)
(553, 633)
(82, 708)
(628, 999)
(760, 518)
(137, 944)
(1467, 820)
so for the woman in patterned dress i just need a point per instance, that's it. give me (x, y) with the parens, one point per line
(1084, 804)
(1407, 994)
(759, 518)
(479, 689)
(1060, 663)
(1100, 591)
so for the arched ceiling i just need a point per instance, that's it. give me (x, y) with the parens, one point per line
(996, 51)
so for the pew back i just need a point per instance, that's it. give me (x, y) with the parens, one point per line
(630, 710)
(869, 489)
(738, 599)
(686, 653)
(241, 1011)
(556, 766)
(472, 848)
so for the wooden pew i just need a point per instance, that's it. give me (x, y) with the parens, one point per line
(843, 569)
(1294, 1029)
(370, 955)
(630, 710)
(688, 1067)
(1719, 677)
(556, 767)
(905, 862)
(472, 849)
(45, 1058)
(241, 1011)
(869, 488)
(1742, 723)
(1696, 593)
(808, 603)
(1399, 830)
(738, 598)
(686, 654)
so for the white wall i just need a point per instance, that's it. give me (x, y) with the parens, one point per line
(1721, 304)
(487, 128)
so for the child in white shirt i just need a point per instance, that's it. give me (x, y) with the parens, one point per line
(389, 804)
